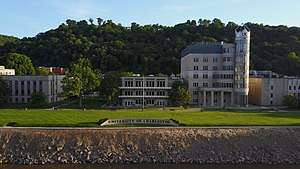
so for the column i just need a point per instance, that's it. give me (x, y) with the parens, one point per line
(232, 98)
(204, 98)
(212, 98)
(222, 99)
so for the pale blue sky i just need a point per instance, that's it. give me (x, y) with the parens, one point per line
(28, 17)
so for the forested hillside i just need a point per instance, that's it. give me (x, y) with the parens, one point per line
(153, 48)
(4, 39)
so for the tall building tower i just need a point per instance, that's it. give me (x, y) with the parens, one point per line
(242, 62)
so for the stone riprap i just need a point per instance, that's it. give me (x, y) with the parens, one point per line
(157, 145)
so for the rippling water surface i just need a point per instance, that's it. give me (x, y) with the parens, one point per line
(151, 166)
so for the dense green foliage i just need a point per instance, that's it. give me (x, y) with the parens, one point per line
(5, 39)
(147, 49)
(188, 117)
(21, 63)
(291, 101)
(179, 94)
(38, 99)
(43, 71)
(109, 88)
(81, 79)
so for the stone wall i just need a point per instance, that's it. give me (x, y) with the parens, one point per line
(177, 145)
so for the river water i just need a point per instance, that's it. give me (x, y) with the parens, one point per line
(152, 166)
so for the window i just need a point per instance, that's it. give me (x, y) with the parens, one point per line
(215, 67)
(28, 88)
(34, 86)
(271, 102)
(195, 84)
(215, 59)
(196, 68)
(22, 88)
(196, 76)
(41, 86)
(138, 83)
(205, 67)
(149, 83)
(271, 95)
(160, 83)
(272, 87)
(290, 87)
(128, 83)
(299, 88)
(205, 59)
(196, 59)
(295, 88)
(205, 84)
(205, 76)
(16, 88)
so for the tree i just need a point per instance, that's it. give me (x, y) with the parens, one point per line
(21, 63)
(291, 101)
(3, 92)
(179, 94)
(292, 56)
(81, 79)
(38, 99)
(109, 88)
(146, 49)
(42, 71)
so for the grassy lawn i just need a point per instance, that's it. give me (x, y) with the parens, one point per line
(189, 117)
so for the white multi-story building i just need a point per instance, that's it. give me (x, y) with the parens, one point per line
(22, 87)
(6, 72)
(218, 73)
(269, 89)
(153, 91)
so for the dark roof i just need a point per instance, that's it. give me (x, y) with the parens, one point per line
(203, 48)
(241, 28)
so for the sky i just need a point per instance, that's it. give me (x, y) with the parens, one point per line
(27, 18)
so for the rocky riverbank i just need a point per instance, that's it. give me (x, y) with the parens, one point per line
(200, 146)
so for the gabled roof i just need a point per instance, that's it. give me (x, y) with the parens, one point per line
(241, 28)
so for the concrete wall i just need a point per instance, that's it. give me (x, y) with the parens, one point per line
(169, 145)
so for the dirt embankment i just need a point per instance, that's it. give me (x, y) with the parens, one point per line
(202, 146)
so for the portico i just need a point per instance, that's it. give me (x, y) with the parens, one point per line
(215, 98)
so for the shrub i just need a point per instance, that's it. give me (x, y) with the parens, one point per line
(291, 101)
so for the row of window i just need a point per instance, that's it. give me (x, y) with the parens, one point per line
(215, 76)
(215, 85)
(147, 102)
(214, 68)
(222, 85)
(294, 87)
(29, 85)
(215, 60)
(147, 93)
(206, 59)
(159, 83)
(205, 84)
(223, 76)
(290, 87)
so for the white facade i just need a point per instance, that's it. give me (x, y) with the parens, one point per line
(6, 72)
(270, 91)
(218, 73)
(153, 91)
(21, 87)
